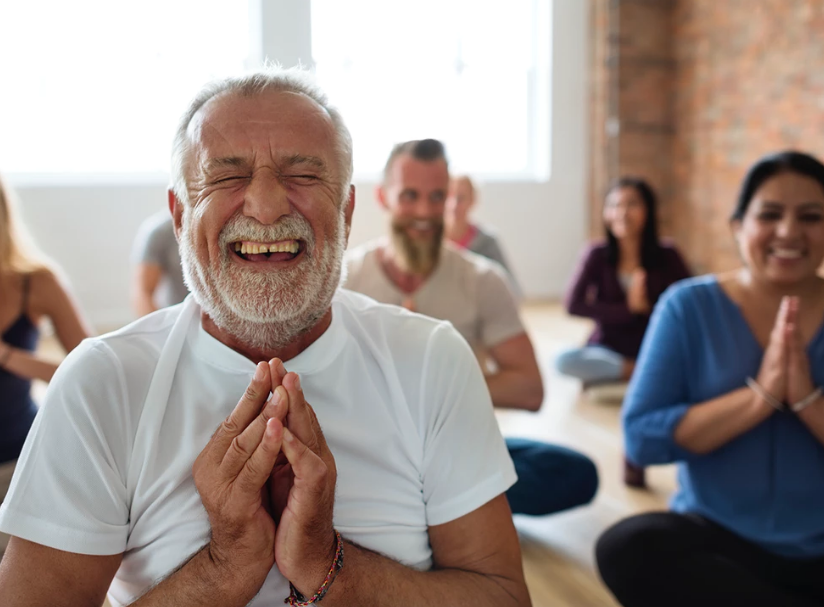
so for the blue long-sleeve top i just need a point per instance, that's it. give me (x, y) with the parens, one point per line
(766, 485)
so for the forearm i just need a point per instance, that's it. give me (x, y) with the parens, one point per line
(813, 418)
(30, 366)
(368, 578)
(714, 423)
(201, 581)
(516, 389)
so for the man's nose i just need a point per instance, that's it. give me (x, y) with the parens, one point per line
(266, 198)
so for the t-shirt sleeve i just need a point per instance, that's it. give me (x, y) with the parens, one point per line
(69, 486)
(499, 316)
(150, 244)
(466, 463)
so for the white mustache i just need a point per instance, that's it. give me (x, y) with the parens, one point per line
(290, 227)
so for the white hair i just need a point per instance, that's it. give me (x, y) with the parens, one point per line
(268, 79)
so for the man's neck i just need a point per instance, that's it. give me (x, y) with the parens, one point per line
(256, 355)
(406, 281)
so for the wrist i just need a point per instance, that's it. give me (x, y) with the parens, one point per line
(319, 569)
(222, 582)
(5, 355)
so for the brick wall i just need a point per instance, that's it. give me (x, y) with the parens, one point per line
(706, 87)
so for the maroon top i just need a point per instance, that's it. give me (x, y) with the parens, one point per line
(597, 293)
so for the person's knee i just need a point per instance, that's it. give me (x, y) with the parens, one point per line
(631, 546)
(568, 363)
(586, 475)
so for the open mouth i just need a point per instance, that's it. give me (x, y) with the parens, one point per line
(282, 250)
(786, 253)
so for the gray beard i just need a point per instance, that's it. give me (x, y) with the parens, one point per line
(268, 310)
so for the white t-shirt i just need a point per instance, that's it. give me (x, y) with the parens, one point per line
(468, 290)
(107, 466)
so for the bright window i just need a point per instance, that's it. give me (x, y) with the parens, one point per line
(473, 74)
(97, 87)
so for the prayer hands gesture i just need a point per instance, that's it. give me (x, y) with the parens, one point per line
(267, 481)
(785, 368)
(637, 300)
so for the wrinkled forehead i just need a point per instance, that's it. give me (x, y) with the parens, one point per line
(264, 126)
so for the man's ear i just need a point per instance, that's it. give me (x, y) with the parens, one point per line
(380, 196)
(349, 211)
(176, 209)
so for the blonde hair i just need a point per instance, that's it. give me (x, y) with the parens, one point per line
(18, 253)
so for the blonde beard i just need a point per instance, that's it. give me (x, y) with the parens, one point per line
(265, 310)
(415, 256)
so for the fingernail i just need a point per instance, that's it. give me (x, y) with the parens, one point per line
(279, 394)
(259, 373)
(281, 368)
(297, 382)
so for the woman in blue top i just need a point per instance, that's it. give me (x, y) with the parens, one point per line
(29, 292)
(728, 385)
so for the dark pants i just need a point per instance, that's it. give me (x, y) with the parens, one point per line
(678, 560)
(550, 478)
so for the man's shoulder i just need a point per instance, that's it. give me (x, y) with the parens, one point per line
(138, 343)
(369, 320)
(467, 263)
(363, 251)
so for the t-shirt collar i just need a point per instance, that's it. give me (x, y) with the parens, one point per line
(320, 354)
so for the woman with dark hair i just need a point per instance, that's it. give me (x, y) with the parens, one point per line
(618, 283)
(729, 385)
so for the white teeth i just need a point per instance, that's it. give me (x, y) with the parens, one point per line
(237, 246)
(787, 253)
(243, 248)
(263, 249)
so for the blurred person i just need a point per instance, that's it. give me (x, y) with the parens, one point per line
(466, 234)
(178, 460)
(729, 385)
(617, 284)
(30, 291)
(415, 268)
(158, 276)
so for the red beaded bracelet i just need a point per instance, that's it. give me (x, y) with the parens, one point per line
(298, 600)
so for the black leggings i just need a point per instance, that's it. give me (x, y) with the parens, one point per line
(684, 560)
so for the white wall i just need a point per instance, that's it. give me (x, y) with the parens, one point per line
(88, 229)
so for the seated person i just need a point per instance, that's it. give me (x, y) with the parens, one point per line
(414, 267)
(178, 461)
(465, 234)
(728, 384)
(618, 283)
(158, 277)
(30, 291)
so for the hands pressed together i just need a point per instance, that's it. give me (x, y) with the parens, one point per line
(267, 481)
(637, 300)
(785, 368)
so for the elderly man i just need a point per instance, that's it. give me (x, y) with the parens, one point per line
(414, 268)
(373, 495)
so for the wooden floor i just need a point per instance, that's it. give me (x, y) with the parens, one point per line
(557, 550)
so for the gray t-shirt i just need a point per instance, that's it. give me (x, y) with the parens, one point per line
(156, 244)
(485, 243)
(468, 290)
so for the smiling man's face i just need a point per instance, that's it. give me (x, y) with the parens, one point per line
(263, 232)
(415, 193)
